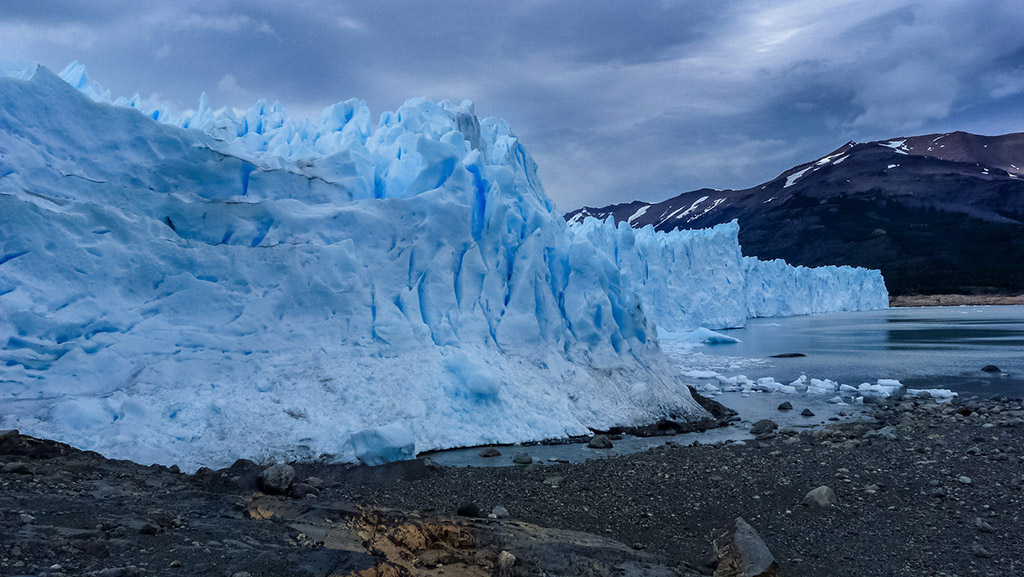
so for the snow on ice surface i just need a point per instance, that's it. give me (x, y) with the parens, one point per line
(268, 288)
(699, 278)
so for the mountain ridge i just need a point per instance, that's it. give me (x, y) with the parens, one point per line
(937, 213)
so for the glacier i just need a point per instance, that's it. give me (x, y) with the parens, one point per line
(198, 287)
(689, 279)
(214, 286)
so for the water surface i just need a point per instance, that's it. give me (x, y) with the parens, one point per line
(927, 347)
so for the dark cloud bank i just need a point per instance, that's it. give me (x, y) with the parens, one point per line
(616, 100)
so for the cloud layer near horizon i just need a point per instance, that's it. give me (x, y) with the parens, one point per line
(616, 101)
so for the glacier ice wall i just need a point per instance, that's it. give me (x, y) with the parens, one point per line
(776, 289)
(699, 278)
(214, 286)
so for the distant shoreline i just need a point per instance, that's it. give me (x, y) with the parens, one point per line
(953, 300)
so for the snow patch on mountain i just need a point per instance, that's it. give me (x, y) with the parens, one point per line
(791, 179)
(898, 145)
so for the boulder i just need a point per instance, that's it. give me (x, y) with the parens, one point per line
(8, 441)
(718, 410)
(991, 369)
(807, 413)
(821, 497)
(522, 459)
(786, 406)
(276, 478)
(763, 426)
(490, 452)
(600, 442)
(742, 553)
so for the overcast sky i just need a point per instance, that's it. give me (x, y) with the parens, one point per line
(615, 100)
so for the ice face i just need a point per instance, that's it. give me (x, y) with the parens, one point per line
(698, 278)
(198, 288)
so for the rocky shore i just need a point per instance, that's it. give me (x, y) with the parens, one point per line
(954, 300)
(919, 489)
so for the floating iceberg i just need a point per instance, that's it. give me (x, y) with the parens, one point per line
(699, 278)
(198, 288)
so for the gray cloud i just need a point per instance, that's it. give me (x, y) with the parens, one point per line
(615, 100)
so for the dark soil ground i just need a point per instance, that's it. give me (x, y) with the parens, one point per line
(939, 492)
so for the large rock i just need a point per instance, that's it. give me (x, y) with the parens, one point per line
(742, 553)
(522, 459)
(276, 478)
(821, 497)
(763, 426)
(8, 441)
(600, 442)
(718, 411)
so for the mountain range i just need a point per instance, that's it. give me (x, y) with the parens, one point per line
(937, 214)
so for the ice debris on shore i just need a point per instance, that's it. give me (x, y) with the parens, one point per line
(712, 383)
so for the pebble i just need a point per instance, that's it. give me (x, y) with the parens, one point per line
(506, 560)
(499, 512)
(983, 526)
(965, 480)
(980, 551)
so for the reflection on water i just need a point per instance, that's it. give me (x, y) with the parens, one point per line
(938, 347)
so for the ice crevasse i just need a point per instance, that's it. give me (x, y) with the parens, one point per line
(199, 288)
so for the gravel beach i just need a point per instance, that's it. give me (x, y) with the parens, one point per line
(921, 489)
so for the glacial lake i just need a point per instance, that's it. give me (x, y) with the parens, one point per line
(933, 347)
(925, 347)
